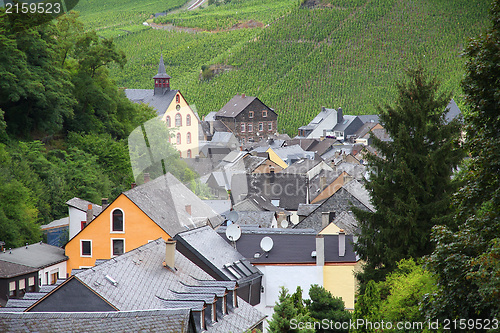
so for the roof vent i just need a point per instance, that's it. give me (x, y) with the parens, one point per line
(111, 280)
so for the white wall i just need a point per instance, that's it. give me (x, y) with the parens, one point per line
(76, 217)
(290, 277)
(60, 268)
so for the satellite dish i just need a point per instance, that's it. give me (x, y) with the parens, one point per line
(233, 232)
(232, 216)
(284, 224)
(266, 244)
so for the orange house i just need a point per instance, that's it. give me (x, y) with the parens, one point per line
(162, 208)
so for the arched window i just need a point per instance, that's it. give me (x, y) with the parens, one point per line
(188, 120)
(117, 220)
(168, 121)
(178, 120)
(177, 98)
(188, 138)
(178, 138)
(189, 153)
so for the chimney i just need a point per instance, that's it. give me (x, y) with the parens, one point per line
(341, 243)
(323, 109)
(170, 253)
(340, 116)
(133, 185)
(104, 203)
(242, 95)
(188, 209)
(90, 214)
(320, 250)
(325, 219)
(271, 174)
(146, 177)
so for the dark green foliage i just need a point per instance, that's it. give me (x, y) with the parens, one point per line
(466, 258)
(289, 307)
(411, 185)
(323, 307)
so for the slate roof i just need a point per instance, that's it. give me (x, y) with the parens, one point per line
(357, 190)
(263, 219)
(256, 203)
(346, 220)
(348, 125)
(365, 129)
(64, 222)
(8, 269)
(289, 153)
(290, 247)
(164, 200)
(162, 74)
(235, 106)
(83, 205)
(164, 320)
(302, 142)
(369, 118)
(321, 147)
(38, 255)
(306, 209)
(453, 111)
(146, 96)
(290, 189)
(219, 206)
(301, 167)
(217, 254)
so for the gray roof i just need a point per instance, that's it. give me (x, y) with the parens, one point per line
(236, 105)
(164, 320)
(219, 206)
(453, 111)
(259, 218)
(357, 190)
(164, 200)
(8, 269)
(369, 118)
(346, 220)
(306, 209)
(289, 153)
(64, 222)
(146, 96)
(256, 203)
(291, 247)
(301, 167)
(222, 137)
(38, 255)
(83, 205)
(321, 147)
(215, 252)
(347, 122)
(162, 74)
(365, 129)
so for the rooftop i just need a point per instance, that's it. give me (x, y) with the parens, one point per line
(38, 255)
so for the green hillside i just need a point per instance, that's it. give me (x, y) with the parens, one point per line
(338, 53)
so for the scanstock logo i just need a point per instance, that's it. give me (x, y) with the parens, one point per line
(44, 10)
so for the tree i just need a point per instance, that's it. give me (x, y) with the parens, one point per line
(412, 186)
(323, 306)
(290, 307)
(466, 258)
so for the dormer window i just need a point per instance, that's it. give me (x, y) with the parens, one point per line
(117, 221)
(264, 113)
(250, 114)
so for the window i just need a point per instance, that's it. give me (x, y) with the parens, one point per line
(270, 126)
(264, 113)
(31, 284)
(178, 120)
(178, 138)
(85, 248)
(189, 153)
(188, 120)
(22, 285)
(169, 123)
(118, 247)
(12, 289)
(117, 221)
(250, 114)
(250, 127)
(53, 277)
(261, 127)
(243, 140)
(177, 98)
(242, 127)
(188, 138)
(178, 107)
(83, 224)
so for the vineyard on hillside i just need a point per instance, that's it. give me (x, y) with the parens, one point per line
(348, 54)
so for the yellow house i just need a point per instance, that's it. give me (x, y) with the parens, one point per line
(173, 109)
(161, 207)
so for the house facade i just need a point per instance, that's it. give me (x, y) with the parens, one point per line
(172, 108)
(248, 118)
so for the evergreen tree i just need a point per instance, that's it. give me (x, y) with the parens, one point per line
(323, 306)
(289, 307)
(466, 260)
(412, 186)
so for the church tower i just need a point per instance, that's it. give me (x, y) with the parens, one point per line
(162, 79)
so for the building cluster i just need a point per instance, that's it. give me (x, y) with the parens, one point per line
(160, 258)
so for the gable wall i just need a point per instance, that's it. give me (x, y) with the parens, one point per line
(138, 230)
(183, 130)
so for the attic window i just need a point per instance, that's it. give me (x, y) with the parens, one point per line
(177, 98)
(117, 223)
(250, 114)
(86, 248)
(264, 113)
(12, 289)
